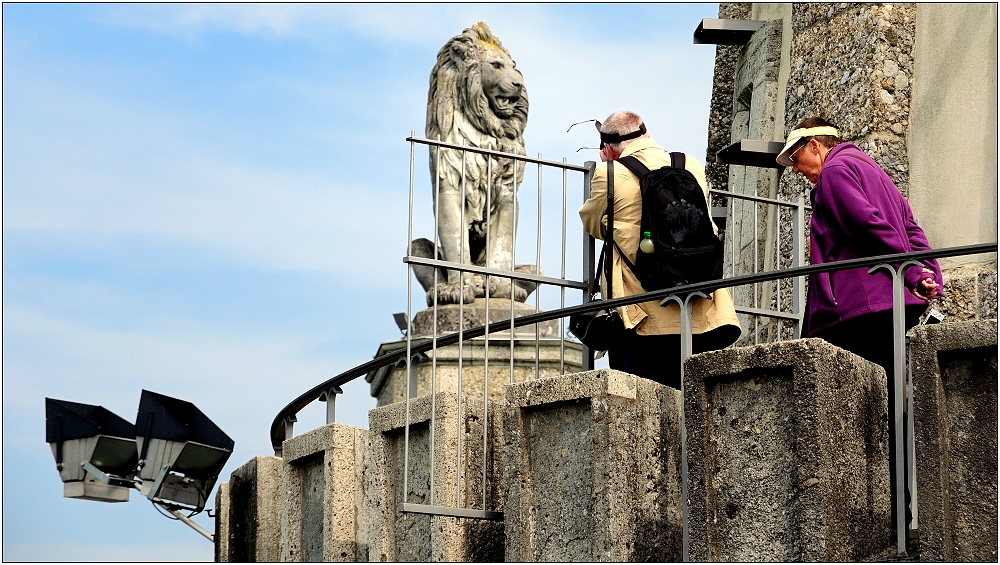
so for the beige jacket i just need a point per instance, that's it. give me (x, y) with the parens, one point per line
(648, 318)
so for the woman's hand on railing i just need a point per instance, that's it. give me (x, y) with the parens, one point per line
(926, 288)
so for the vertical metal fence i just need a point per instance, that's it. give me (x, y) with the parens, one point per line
(510, 273)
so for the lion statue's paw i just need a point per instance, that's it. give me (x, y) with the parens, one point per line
(448, 293)
(501, 288)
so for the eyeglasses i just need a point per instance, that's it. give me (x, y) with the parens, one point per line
(792, 156)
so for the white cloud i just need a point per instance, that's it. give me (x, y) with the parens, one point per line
(240, 381)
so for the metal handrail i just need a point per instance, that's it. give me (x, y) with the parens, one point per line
(288, 413)
(496, 153)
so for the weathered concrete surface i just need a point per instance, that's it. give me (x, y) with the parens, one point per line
(970, 293)
(592, 465)
(397, 536)
(955, 431)
(552, 357)
(222, 524)
(323, 511)
(247, 507)
(787, 454)
(954, 105)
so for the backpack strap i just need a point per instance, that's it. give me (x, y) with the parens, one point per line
(634, 165)
(609, 234)
(677, 160)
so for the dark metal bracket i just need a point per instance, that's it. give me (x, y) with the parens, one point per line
(751, 153)
(726, 32)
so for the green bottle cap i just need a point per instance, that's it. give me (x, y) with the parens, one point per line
(646, 235)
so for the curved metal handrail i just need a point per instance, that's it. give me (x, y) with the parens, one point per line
(289, 411)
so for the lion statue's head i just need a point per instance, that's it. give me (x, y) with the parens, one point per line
(477, 82)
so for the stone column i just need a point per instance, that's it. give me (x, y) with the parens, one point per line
(247, 529)
(405, 536)
(323, 515)
(787, 454)
(955, 431)
(592, 466)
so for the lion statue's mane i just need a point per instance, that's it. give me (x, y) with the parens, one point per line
(477, 98)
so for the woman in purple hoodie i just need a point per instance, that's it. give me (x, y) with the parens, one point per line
(857, 212)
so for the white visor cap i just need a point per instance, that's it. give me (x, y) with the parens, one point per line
(797, 134)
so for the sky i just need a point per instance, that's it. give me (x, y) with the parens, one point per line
(211, 201)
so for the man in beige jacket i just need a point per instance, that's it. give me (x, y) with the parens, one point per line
(651, 345)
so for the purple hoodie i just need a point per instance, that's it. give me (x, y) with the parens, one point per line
(858, 212)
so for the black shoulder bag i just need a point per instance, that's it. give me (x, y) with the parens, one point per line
(601, 330)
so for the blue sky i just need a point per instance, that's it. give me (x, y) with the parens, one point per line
(210, 202)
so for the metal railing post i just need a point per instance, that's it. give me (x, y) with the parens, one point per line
(685, 307)
(911, 460)
(330, 397)
(899, 358)
(798, 259)
(587, 356)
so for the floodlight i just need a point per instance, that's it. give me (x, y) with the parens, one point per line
(402, 322)
(94, 448)
(181, 451)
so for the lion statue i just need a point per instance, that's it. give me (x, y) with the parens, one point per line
(476, 97)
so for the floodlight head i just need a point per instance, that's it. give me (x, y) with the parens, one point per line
(175, 439)
(402, 322)
(94, 448)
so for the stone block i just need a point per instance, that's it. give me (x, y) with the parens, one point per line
(222, 503)
(247, 508)
(592, 465)
(323, 515)
(431, 464)
(955, 434)
(787, 454)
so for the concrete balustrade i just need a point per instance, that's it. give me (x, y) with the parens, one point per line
(592, 469)
(247, 508)
(787, 454)
(955, 432)
(399, 536)
(324, 504)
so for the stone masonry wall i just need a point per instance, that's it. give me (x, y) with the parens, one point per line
(720, 117)
(852, 64)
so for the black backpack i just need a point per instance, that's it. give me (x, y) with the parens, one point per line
(674, 212)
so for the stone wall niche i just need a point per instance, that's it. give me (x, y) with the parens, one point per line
(787, 454)
(323, 512)
(246, 507)
(592, 466)
(406, 536)
(955, 431)
(752, 228)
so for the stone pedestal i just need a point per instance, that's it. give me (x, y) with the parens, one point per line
(474, 315)
(404, 536)
(247, 507)
(787, 454)
(592, 469)
(955, 431)
(323, 511)
(549, 356)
